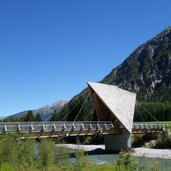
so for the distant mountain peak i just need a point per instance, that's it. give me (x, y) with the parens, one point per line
(45, 111)
(59, 103)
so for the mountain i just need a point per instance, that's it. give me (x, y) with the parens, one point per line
(2, 117)
(45, 112)
(147, 72)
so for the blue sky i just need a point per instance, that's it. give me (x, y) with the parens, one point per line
(50, 49)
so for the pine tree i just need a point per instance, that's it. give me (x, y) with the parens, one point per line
(54, 116)
(29, 116)
(38, 118)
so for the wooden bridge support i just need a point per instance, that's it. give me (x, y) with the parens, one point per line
(114, 143)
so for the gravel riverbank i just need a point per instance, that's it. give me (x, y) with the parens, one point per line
(139, 152)
(86, 148)
(152, 153)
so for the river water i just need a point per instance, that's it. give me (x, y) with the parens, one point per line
(99, 157)
(163, 164)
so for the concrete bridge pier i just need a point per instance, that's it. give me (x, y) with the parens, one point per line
(114, 143)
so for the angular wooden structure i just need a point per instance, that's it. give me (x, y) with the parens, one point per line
(116, 105)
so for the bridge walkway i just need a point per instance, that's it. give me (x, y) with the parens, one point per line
(78, 128)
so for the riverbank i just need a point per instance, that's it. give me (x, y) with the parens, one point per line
(138, 152)
(86, 148)
(152, 153)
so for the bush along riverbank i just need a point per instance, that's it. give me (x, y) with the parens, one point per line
(24, 155)
(162, 140)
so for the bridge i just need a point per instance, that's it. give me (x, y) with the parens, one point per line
(64, 129)
(115, 110)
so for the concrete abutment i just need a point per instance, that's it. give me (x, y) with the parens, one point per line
(114, 143)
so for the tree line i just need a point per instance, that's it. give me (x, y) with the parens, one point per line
(152, 111)
(29, 117)
(144, 112)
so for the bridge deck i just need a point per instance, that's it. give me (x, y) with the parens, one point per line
(56, 129)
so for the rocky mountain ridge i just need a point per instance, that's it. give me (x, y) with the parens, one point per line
(147, 72)
(147, 69)
(45, 111)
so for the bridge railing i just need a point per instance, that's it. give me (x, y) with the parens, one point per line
(54, 126)
(25, 127)
(143, 126)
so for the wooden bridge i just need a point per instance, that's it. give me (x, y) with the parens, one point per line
(64, 129)
(115, 111)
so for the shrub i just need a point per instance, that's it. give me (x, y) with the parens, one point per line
(16, 153)
(127, 161)
(8, 150)
(82, 161)
(47, 151)
(163, 140)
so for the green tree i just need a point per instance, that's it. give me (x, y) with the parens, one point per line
(80, 111)
(38, 118)
(47, 153)
(127, 161)
(54, 116)
(29, 116)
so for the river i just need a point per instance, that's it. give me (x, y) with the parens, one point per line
(163, 164)
(100, 157)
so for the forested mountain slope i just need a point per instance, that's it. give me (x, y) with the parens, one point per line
(147, 72)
